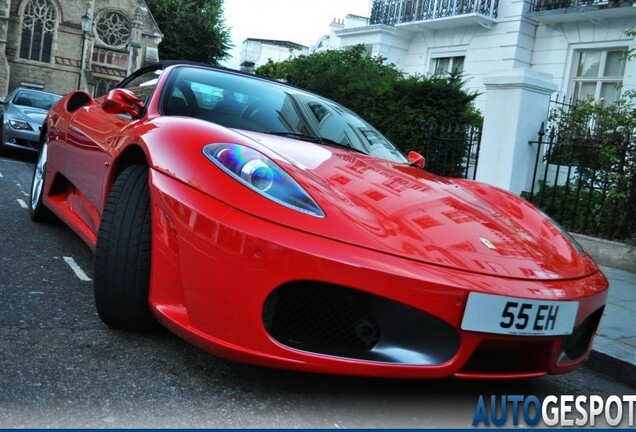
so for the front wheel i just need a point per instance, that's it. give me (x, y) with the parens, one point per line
(39, 212)
(122, 254)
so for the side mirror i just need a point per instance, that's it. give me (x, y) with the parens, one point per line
(416, 159)
(122, 101)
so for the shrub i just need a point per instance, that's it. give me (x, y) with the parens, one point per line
(598, 142)
(406, 109)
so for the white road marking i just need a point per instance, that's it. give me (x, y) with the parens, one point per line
(77, 269)
(1, 175)
(22, 203)
(19, 186)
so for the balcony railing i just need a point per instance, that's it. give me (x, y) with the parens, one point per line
(541, 5)
(392, 12)
(559, 11)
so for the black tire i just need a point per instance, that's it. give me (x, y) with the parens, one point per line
(39, 212)
(122, 254)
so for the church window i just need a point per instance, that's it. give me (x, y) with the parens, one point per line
(39, 23)
(113, 29)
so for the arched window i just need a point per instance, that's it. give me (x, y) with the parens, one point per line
(103, 86)
(39, 23)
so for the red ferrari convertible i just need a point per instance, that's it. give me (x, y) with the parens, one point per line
(272, 226)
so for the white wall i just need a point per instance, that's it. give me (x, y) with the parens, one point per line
(259, 52)
(513, 42)
(555, 47)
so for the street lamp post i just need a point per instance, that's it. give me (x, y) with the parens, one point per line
(86, 26)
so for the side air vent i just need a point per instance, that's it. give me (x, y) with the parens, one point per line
(77, 100)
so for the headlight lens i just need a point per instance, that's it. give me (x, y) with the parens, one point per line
(19, 125)
(262, 175)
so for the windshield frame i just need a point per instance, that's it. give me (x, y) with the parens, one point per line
(246, 102)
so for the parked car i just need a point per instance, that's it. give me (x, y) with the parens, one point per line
(22, 115)
(272, 226)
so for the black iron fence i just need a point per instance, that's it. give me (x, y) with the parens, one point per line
(450, 150)
(587, 183)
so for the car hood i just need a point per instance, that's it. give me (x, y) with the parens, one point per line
(29, 114)
(408, 212)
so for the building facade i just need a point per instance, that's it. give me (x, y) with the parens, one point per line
(578, 42)
(43, 44)
(256, 52)
(331, 40)
(518, 54)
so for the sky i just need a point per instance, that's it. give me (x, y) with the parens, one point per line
(299, 21)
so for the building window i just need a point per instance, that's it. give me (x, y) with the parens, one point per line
(114, 59)
(446, 65)
(113, 29)
(318, 110)
(39, 23)
(598, 74)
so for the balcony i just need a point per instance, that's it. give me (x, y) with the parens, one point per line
(595, 11)
(434, 14)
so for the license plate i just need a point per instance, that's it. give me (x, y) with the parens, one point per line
(515, 316)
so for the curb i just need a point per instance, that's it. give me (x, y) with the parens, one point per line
(609, 253)
(613, 359)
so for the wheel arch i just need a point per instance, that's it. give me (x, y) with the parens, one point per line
(132, 155)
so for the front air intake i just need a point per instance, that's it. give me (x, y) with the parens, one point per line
(340, 321)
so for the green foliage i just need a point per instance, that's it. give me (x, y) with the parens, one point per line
(585, 207)
(349, 77)
(597, 142)
(575, 205)
(193, 29)
(630, 54)
(405, 109)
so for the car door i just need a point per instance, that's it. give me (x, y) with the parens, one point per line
(90, 145)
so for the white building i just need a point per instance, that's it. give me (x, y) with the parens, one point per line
(256, 52)
(332, 40)
(578, 42)
(516, 53)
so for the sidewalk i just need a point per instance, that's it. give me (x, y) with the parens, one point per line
(614, 349)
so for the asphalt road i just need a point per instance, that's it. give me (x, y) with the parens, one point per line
(61, 367)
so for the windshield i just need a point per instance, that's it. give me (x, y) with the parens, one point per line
(242, 102)
(35, 99)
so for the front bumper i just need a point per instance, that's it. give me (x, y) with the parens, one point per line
(226, 280)
(20, 139)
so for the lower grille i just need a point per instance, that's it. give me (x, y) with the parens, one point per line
(499, 356)
(319, 317)
(335, 320)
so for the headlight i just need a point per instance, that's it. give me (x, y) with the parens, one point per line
(19, 125)
(263, 176)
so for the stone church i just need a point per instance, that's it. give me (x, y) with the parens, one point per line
(62, 45)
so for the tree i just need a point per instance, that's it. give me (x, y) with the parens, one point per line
(630, 53)
(428, 114)
(193, 29)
